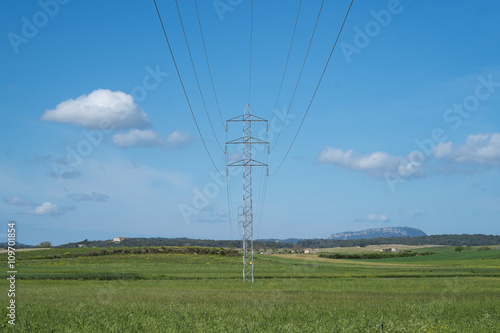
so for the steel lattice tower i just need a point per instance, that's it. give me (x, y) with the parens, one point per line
(247, 163)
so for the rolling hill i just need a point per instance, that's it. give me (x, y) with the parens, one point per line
(379, 233)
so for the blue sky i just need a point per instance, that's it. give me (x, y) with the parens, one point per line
(97, 140)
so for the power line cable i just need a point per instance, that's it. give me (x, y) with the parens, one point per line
(300, 75)
(250, 65)
(229, 203)
(228, 189)
(208, 63)
(196, 76)
(263, 188)
(259, 202)
(184, 89)
(260, 211)
(286, 63)
(316, 90)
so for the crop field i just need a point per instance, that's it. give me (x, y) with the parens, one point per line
(68, 290)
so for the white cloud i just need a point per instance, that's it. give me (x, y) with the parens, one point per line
(149, 138)
(179, 139)
(234, 157)
(378, 164)
(101, 106)
(17, 201)
(66, 174)
(442, 149)
(109, 176)
(136, 137)
(94, 196)
(482, 149)
(373, 218)
(210, 215)
(48, 208)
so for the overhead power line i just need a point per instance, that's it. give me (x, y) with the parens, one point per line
(208, 63)
(229, 203)
(286, 63)
(316, 90)
(196, 76)
(264, 176)
(261, 201)
(300, 75)
(183, 88)
(250, 64)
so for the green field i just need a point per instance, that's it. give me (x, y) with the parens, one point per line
(58, 291)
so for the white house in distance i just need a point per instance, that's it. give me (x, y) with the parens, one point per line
(394, 249)
(119, 239)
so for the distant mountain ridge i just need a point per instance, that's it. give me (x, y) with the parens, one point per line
(379, 233)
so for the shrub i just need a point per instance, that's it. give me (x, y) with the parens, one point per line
(374, 255)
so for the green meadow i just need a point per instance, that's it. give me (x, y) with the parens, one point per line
(65, 290)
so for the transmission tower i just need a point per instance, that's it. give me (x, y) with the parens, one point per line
(247, 163)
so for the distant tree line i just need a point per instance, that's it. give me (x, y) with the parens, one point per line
(146, 250)
(24, 246)
(373, 255)
(449, 240)
(18, 246)
(141, 242)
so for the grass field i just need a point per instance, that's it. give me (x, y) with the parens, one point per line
(158, 292)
